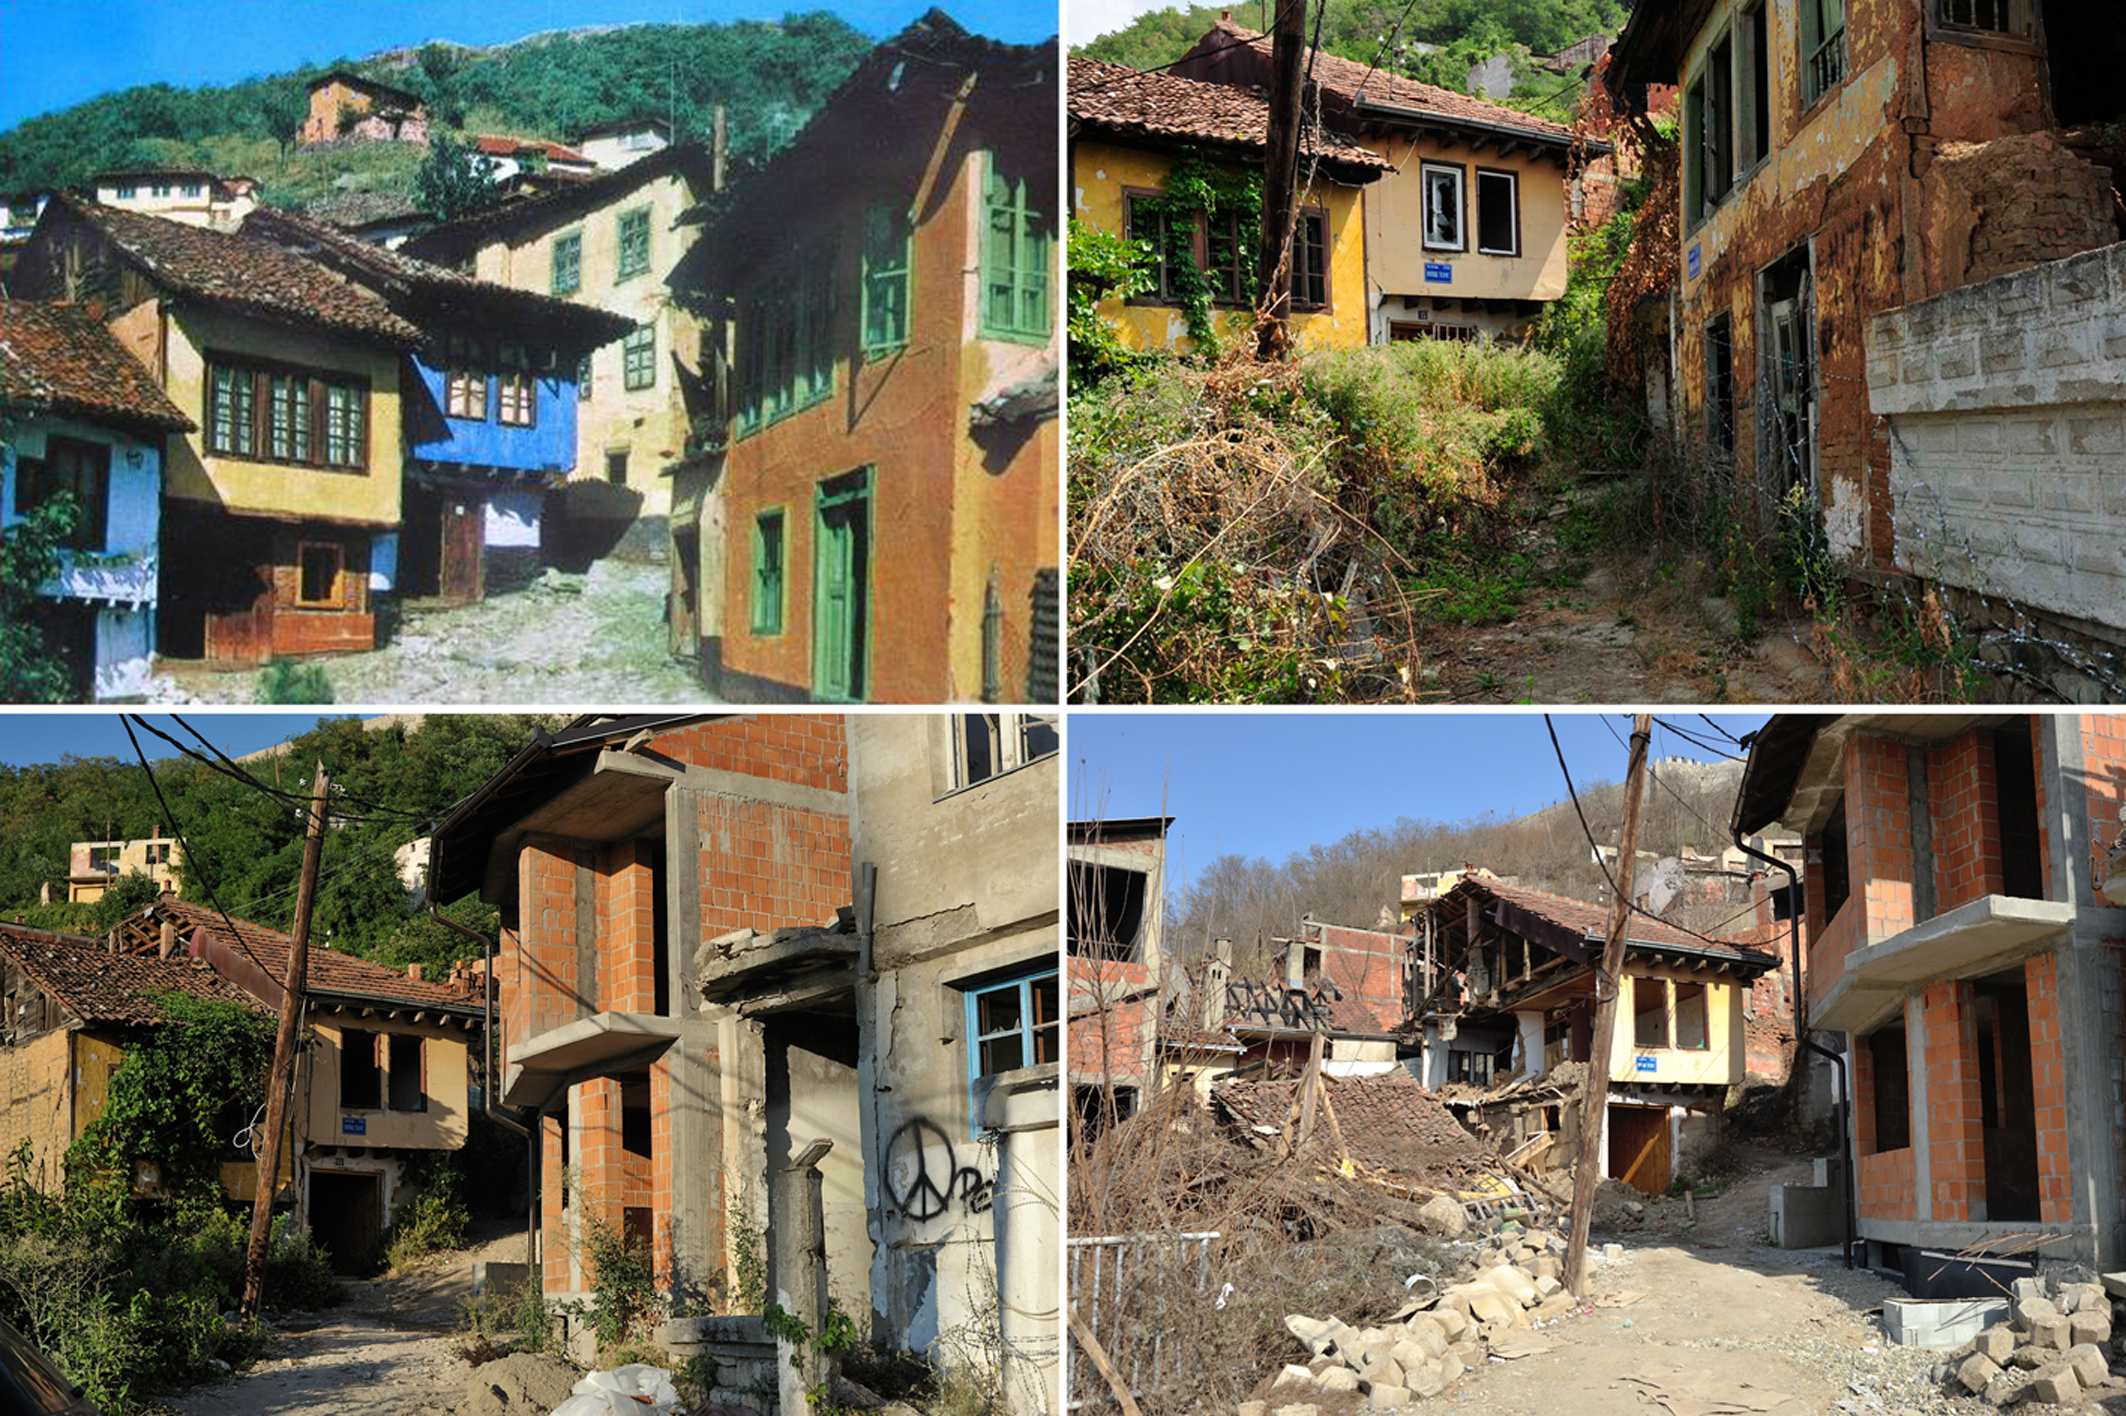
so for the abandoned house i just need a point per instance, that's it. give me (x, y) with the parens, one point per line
(784, 975)
(94, 866)
(383, 1075)
(71, 1008)
(1962, 959)
(1465, 232)
(1116, 903)
(354, 108)
(1345, 985)
(1877, 314)
(867, 509)
(1505, 981)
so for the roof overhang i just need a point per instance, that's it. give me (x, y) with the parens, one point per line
(1651, 47)
(1977, 938)
(545, 1066)
(621, 796)
(1403, 116)
(1795, 773)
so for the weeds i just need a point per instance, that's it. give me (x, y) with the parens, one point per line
(283, 681)
(434, 1220)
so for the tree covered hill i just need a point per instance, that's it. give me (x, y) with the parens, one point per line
(770, 76)
(249, 844)
(1437, 43)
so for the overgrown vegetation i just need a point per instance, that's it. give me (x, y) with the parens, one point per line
(125, 1278)
(29, 556)
(434, 1220)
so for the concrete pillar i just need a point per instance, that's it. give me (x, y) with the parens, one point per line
(797, 1226)
(1955, 1143)
(1531, 1021)
(1027, 1220)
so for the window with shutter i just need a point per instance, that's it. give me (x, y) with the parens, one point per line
(1015, 260)
(568, 263)
(887, 242)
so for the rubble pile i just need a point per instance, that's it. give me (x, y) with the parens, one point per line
(2052, 1350)
(1512, 1283)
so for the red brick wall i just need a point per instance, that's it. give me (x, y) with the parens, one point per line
(2104, 765)
(627, 924)
(1964, 800)
(1885, 1183)
(1110, 1044)
(1955, 1148)
(542, 992)
(1878, 814)
(1368, 965)
(811, 750)
(553, 1251)
(2049, 1086)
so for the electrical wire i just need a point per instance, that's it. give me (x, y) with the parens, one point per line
(127, 720)
(241, 777)
(1699, 742)
(338, 791)
(1720, 730)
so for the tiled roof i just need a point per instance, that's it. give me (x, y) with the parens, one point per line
(510, 147)
(99, 986)
(1386, 1120)
(366, 263)
(459, 239)
(56, 355)
(244, 273)
(329, 972)
(1345, 78)
(1121, 100)
(1593, 920)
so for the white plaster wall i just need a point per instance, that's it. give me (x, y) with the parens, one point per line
(513, 519)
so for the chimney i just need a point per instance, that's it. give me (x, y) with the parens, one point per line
(168, 946)
(414, 971)
(1216, 974)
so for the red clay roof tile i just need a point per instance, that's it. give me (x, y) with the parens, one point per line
(1119, 100)
(99, 986)
(58, 356)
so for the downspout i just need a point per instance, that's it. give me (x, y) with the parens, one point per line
(1848, 1182)
(487, 1086)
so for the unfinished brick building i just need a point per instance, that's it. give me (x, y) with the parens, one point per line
(737, 950)
(1841, 158)
(1116, 903)
(1959, 948)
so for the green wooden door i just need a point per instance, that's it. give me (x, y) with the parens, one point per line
(841, 599)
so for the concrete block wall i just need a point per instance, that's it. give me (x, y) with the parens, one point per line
(2006, 407)
(1964, 803)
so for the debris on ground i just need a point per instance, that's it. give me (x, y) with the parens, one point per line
(2053, 1349)
(631, 1390)
(1720, 1399)
(521, 1384)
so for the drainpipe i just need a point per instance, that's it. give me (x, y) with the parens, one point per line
(487, 1086)
(1801, 1036)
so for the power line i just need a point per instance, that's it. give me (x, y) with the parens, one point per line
(336, 789)
(1720, 730)
(128, 720)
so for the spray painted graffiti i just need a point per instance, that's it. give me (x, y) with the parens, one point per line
(925, 1178)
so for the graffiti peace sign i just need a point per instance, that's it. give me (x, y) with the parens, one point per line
(918, 1191)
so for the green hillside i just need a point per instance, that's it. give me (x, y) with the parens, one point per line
(1468, 31)
(770, 76)
(249, 844)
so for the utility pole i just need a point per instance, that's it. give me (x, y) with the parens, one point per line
(1280, 171)
(1596, 1107)
(284, 1047)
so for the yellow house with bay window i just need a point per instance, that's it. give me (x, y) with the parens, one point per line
(1465, 235)
(1129, 131)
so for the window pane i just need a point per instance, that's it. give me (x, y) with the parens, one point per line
(1691, 1022)
(1002, 1054)
(1040, 737)
(978, 758)
(320, 574)
(998, 1010)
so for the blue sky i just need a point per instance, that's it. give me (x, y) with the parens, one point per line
(54, 53)
(27, 738)
(1265, 785)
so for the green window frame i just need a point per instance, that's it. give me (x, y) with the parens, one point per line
(1016, 245)
(568, 263)
(634, 243)
(770, 547)
(889, 241)
(638, 358)
(786, 354)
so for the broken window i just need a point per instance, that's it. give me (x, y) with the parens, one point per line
(1822, 48)
(1107, 904)
(1720, 383)
(409, 1073)
(1471, 1067)
(1011, 1024)
(361, 1079)
(1649, 1012)
(1993, 16)
(1693, 1024)
(1893, 1089)
(1443, 206)
(1498, 213)
(1753, 105)
(986, 745)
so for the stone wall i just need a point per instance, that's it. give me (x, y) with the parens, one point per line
(2005, 403)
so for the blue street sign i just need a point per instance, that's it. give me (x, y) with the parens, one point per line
(1693, 261)
(1642, 1064)
(354, 1125)
(1439, 272)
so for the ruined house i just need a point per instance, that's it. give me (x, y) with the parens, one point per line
(782, 989)
(381, 1079)
(1513, 970)
(354, 108)
(1962, 959)
(1115, 898)
(1848, 167)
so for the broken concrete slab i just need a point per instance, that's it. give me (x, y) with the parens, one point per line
(2030, 1309)
(1444, 1216)
(1337, 1379)
(2114, 1283)
(1995, 1343)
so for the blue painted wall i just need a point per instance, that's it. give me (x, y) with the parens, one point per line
(549, 445)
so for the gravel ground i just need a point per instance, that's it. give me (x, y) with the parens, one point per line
(592, 638)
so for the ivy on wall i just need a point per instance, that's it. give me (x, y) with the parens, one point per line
(1195, 189)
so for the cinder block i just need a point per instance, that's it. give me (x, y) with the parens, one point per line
(1939, 1323)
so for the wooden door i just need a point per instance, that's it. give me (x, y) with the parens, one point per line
(840, 597)
(464, 536)
(1638, 1147)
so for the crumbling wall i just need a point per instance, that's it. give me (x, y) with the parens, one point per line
(2005, 409)
(35, 1102)
(1994, 208)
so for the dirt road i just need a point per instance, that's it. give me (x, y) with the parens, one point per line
(390, 1350)
(591, 638)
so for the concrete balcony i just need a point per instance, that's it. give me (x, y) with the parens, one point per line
(603, 1043)
(1956, 944)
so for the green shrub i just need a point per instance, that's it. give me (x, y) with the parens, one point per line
(623, 1284)
(434, 1219)
(283, 681)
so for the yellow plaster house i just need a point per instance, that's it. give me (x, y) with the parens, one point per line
(608, 241)
(1127, 131)
(1466, 233)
